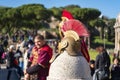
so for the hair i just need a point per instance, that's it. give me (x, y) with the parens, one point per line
(116, 58)
(92, 61)
(40, 37)
(31, 42)
(100, 49)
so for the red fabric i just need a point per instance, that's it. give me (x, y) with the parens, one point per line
(67, 14)
(76, 26)
(15, 62)
(84, 50)
(48, 49)
(43, 59)
(44, 56)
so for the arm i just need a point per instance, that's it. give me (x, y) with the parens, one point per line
(108, 61)
(97, 62)
(43, 61)
(33, 69)
(30, 59)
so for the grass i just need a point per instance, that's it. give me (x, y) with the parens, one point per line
(92, 54)
(97, 41)
(102, 41)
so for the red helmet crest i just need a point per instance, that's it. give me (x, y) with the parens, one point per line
(67, 14)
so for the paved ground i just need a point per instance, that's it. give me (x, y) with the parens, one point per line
(3, 66)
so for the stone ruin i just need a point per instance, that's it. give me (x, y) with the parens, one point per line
(117, 34)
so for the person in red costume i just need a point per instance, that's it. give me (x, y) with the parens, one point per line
(39, 60)
(67, 16)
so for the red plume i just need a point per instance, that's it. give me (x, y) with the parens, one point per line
(77, 26)
(67, 14)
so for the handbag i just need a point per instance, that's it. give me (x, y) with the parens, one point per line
(103, 74)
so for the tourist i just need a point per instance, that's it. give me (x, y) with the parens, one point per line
(102, 63)
(115, 69)
(11, 60)
(39, 60)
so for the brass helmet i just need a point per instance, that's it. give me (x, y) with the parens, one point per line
(70, 43)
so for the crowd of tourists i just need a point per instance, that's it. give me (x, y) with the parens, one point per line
(20, 53)
(19, 56)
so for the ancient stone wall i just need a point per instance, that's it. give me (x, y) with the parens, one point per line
(117, 34)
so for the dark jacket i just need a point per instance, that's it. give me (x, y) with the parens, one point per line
(115, 72)
(10, 60)
(102, 63)
(1, 50)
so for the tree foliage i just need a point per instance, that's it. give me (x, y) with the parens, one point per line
(86, 14)
(56, 12)
(33, 16)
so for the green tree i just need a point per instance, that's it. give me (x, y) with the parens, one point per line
(3, 10)
(111, 30)
(109, 27)
(99, 24)
(12, 18)
(33, 15)
(56, 12)
(86, 14)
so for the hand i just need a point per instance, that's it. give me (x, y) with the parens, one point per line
(25, 72)
(26, 77)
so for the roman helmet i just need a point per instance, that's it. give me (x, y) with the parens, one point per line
(70, 43)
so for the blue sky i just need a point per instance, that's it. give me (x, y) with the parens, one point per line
(109, 8)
